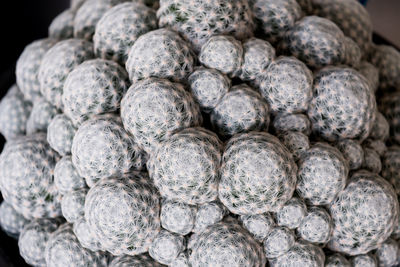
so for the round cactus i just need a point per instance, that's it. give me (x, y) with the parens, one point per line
(119, 28)
(287, 85)
(162, 54)
(390, 107)
(208, 86)
(76, 4)
(259, 225)
(177, 217)
(364, 214)
(153, 109)
(101, 148)
(300, 254)
(198, 21)
(223, 53)
(296, 142)
(380, 129)
(142, 260)
(33, 239)
(64, 242)
(62, 26)
(166, 247)
(386, 60)
(337, 260)
(124, 213)
(57, 63)
(73, 205)
(11, 221)
(66, 177)
(388, 253)
(14, 114)
(181, 261)
(391, 167)
(352, 152)
(94, 87)
(276, 17)
(316, 41)
(26, 177)
(257, 55)
(185, 167)
(372, 161)
(27, 69)
(352, 53)
(240, 110)
(41, 115)
(278, 242)
(292, 122)
(60, 134)
(87, 238)
(322, 174)
(247, 188)
(316, 227)
(226, 244)
(365, 260)
(208, 214)
(378, 145)
(292, 213)
(371, 73)
(343, 106)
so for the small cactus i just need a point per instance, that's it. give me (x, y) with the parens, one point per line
(11, 221)
(177, 217)
(300, 254)
(364, 260)
(386, 59)
(372, 161)
(336, 260)
(352, 152)
(41, 116)
(166, 247)
(371, 73)
(388, 253)
(278, 242)
(62, 26)
(259, 225)
(391, 167)
(316, 227)
(66, 177)
(292, 122)
(296, 142)
(390, 107)
(73, 205)
(208, 214)
(380, 129)
(87, 238)
(292, 213)
(60, 134)
(352, 53)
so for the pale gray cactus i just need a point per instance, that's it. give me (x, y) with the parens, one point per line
(198, 21)
(60, 134)
(64, 242)
(76, 4)
(372, 161)
(185, 166)
(26, 177)
(208, 214)
(378, 145)
(62, 26)
(208, 86)
(57, 63)
(94, 87)
(142, 260)
(353, 53)
(296, 142)
(352, 151)
(380, 129)
(387, 253)
(161, 54)
(11, 221)
(322, 174)
(66, 177)
(246, 188)
(240, 110)
(287, 86)
(41, 115)
(120, 27)
(123, 213)
(153, 109)
(278, 242)
(391, 167)
(27, 69)
(316, 227)
(223, 53)
(101, 148)
(343, 106)
(226, 244)
(177, 217)
(257, 55)
(292, 122)
(14, 113)
(390, 107)
(364, 260)
(181, 261)
(316, 41)
(386, 59)
(336, 260)
(364, 214)
(73, 205)
(87, 238)
(275, 17)
(371, 73)
(292, 213)
(33, 240)
(350, 16)
(259, 225)
(166, 247)
(300, 254)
